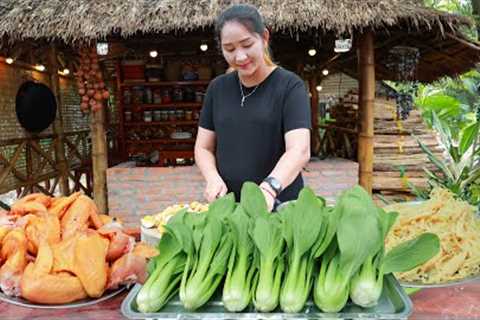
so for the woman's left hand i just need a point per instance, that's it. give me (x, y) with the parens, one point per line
(269, 199)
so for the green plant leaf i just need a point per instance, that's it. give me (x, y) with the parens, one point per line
(410, 254)
(468, 136)
(437, 162)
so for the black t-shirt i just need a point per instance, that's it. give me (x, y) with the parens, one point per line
(250, 139)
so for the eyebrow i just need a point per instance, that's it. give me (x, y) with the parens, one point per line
(241, 41)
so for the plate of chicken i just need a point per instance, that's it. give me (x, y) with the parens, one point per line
(58, 252)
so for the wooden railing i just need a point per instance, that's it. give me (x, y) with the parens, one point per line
(30, 164)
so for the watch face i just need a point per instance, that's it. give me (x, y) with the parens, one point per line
(275, 184)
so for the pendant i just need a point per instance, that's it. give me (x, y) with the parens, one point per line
(243, 102)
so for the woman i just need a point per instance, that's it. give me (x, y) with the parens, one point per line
(255, 121)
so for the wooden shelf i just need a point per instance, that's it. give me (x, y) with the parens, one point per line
(161, 141)
(165, 105)
(159, 123)
(165, 83)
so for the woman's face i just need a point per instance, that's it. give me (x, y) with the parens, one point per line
(243, 50)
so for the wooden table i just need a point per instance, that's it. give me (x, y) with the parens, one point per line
(460, 302)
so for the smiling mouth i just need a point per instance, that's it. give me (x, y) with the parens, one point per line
(244, 66)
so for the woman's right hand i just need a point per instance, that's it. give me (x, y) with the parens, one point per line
(215, 188)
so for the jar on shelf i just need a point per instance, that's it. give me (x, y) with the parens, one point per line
(157, 96)
(147, 116)
(127, 96)
(188, 115)
(172, 115)
(137, 95)
(157, 115)
(199, 96)
(180, 114)
(164, 115)
(177, 94)
(148, 95)
(128, 116)
(166, 97)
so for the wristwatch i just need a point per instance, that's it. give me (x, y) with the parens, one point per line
(274, 184)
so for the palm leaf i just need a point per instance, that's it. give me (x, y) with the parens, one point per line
(437, 162)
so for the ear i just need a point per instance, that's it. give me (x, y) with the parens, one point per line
(266, 37)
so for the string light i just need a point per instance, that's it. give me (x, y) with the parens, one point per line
(312, 52)
(102, 48)
(9, 60)
(40, 67)
(325, 72)
(64, 72)
(319, 88)
(204, 47)
(153, 53)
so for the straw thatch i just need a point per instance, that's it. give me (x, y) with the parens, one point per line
(73, 20)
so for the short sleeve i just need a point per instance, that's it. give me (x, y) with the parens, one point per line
(296, 109)
(206, 115)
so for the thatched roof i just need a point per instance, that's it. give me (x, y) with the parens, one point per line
(73, 20)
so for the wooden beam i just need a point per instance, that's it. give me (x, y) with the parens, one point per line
(62, 164)
(464, 42)
(11, 165)
(366, 67)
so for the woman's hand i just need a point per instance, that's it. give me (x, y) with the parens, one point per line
(268, 193)
(215, 188)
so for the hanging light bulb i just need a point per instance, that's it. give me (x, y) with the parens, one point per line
(312, 52)
(40, 67)
(153, 53)
(102, 48)
(204, 47)
(9, 60)
(343, 45)
(325, 72)
(319, 88)
(65, 72)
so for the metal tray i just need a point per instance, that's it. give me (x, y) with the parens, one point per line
(472, 278)
(77, 304)
(394, 304)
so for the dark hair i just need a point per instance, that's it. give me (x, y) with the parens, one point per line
(248, 16)
(245, 14)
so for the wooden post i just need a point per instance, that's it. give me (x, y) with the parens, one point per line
(366, 72)
(58, 123)
(314, 114)
(99, 159)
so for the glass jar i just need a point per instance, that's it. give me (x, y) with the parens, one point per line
(180, 114)
(148, 96)
(177, 94)
(188, 115)
(164, 115)
(137, 96)
(166, 97)
(157, 115)
(199, 96)
(147, 116)
(172, 115)
(157, 96)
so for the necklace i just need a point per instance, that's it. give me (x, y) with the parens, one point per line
(242, 103)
